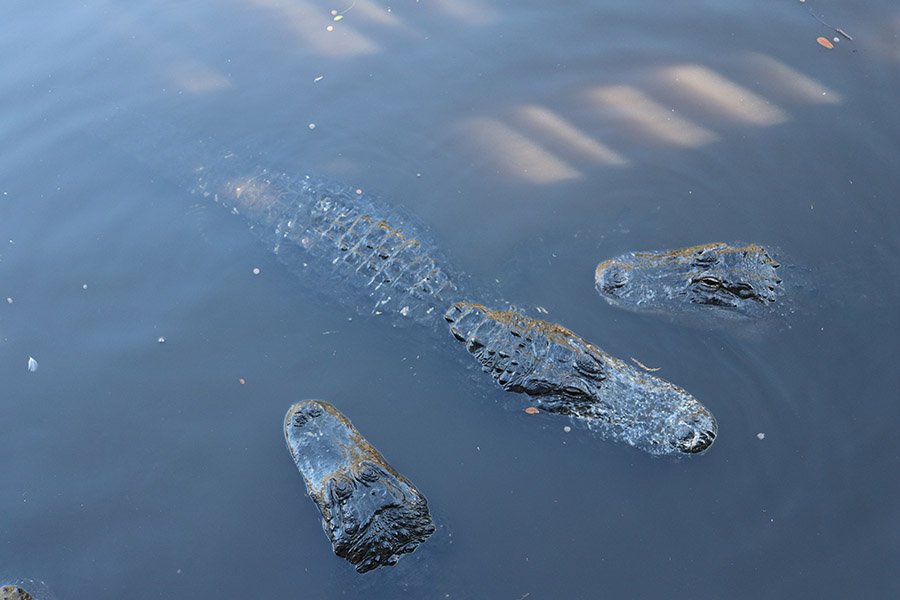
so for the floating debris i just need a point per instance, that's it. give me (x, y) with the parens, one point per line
(256, 270)
(760, 436)
(542, 310)
(9, 300)
(837, 30)
(645, 367)
(567, 429)
(161, 340)
(312, 125)
(329, 28)
(532, 410)
(84, 286)
(337, 17)
(242, 381)
(32, 364)
(318, 79)
(825, 42)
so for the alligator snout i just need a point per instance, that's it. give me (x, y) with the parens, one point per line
(696, 435)
(610, 276)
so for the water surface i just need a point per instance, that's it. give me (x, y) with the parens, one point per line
(533, 140)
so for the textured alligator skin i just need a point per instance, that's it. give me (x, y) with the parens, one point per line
(14, 592)
(566, 374)
(371, 513)
(741, 279)
(308, 223)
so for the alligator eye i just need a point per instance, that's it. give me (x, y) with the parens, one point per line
(588, 365)
(341, 488)
(742, 290)
(369, 474)
(709, 281)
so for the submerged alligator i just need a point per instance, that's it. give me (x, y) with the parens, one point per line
(371, 513)
(308, 221)
(14, 592)
(740, 279)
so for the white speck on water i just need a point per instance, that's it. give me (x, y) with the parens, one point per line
(32, 364)
(256, 270)
(84, 286)
(318, 79)
(9, 300)
(567, 429)
(760, 436)
(358, 192)
(161, 340)
(404, 311)
(312, 125)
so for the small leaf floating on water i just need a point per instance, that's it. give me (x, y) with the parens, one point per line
(32, 364)
(825, 42)
(532, 410)
(338, 17)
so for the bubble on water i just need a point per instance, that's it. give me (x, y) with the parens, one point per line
(760, 436)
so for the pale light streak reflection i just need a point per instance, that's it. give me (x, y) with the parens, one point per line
(517, 155)
(373, 12)
(726, 97)
(469, 12)
(551, 125)
(309, 21)
(196, 78)
(791, 83)
(644, 114)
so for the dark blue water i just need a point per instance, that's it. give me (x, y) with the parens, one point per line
(534, 140)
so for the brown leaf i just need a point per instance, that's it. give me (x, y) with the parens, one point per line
(532, 410)
(825, 42)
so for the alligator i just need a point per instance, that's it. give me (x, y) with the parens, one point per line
(370, 512)
(14, 592)
(564, 374)
(308, 221)
(735, 279)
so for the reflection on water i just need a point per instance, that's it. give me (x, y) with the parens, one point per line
(534, 140)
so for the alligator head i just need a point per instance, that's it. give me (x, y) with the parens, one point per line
(371, 513)
(741, 278)
(567, 375)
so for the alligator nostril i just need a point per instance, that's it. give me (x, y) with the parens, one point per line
(612, 277)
